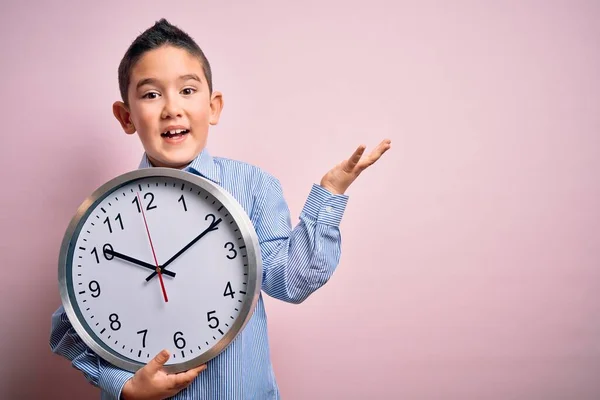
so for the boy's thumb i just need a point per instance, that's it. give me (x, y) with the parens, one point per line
(159, 360)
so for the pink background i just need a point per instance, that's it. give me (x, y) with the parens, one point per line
(470, 265)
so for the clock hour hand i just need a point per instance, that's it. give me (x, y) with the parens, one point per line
(136, 261)
(212, 227)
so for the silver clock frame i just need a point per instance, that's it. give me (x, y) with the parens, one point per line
(235, 210)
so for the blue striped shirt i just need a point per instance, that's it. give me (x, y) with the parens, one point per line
(296, 262)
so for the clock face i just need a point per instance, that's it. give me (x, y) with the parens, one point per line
(206, 252)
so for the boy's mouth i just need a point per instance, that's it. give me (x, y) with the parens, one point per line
(175, 133)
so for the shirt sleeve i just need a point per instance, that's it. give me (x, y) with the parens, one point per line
(298, 261)
(64, 341)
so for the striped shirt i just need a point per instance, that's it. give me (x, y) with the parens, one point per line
(296, 262)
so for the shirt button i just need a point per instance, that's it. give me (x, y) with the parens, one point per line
(329, 209)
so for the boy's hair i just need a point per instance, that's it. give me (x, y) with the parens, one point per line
(160, 34)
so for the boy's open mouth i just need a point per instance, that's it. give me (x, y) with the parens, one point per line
(175, 133)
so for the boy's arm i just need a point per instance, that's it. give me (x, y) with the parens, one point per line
(297, 262)
(65, 342)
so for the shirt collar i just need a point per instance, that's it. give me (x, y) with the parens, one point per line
(204, 165)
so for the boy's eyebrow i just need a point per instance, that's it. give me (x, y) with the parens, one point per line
(150, 81)
(189, 76)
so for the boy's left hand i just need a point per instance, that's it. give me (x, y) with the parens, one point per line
(340, 177)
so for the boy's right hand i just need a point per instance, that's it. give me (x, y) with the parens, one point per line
(152, 382)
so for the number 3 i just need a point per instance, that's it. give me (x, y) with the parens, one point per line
(231, 250)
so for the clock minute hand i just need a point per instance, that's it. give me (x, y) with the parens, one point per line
(136, 261)
(213, 227)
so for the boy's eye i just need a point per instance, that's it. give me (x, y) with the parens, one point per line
(188, 91)
(150, 95)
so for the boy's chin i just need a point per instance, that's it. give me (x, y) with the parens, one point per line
(171, 162)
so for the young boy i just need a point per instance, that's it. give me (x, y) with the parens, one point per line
(168, 99)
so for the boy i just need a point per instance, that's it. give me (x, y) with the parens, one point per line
(168, 99)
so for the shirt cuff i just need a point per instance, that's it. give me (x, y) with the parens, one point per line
(324, 206)
(113, 379)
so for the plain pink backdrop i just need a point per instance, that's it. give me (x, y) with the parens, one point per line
(470, 266)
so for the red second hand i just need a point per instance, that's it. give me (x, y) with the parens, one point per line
(162, 285)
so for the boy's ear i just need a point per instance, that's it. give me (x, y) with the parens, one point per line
(216, 105)
(122, 114)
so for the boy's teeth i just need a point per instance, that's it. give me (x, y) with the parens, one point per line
(175, 132)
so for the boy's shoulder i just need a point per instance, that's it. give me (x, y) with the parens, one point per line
(243, 171)
(247, 182)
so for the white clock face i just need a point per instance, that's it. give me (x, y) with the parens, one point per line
(207, 284)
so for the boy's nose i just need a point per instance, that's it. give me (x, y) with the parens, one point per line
(172, 109)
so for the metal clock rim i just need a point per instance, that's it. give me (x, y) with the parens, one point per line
(235, 210)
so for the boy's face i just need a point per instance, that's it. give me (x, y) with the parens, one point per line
(169, 106)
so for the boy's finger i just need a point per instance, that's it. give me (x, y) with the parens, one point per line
(355, 158)
(158, 361)
(381, 148)
(375, 154)
(197, 370)
(183, 379)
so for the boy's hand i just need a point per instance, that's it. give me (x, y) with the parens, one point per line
(342, 175)
(151, 382)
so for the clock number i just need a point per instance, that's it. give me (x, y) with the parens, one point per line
(228, 288)
(231, 250)
(179, 341)
(144, 332)
(137, 203)
(95, 252)
(95, 288)
(182, 199)
(104, 248)
(213, 218)
(118, 218)
(115, 324)
(149, 206)
(212, 319)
